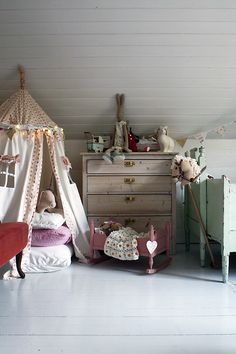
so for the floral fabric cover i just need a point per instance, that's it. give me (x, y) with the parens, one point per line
(122, 244)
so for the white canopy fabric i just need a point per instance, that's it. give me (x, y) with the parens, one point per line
(23, 126)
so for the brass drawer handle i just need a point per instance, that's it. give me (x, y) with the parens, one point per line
(129, 163)
(129, 180)
(130, 199)
(129, 221)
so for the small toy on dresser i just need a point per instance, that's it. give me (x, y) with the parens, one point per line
(94, 142)
(166, 143)
(133, 140)
(115, 154)
(159, 141)
(147, 144)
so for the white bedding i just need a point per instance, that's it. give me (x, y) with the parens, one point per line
(49, 259)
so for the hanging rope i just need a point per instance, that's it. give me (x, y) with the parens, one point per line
(22, 113)
(21, 70)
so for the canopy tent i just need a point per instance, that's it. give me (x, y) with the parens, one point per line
(26, 132)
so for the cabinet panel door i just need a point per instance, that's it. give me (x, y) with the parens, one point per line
(130, 167)
(129, 184)
(132, 204)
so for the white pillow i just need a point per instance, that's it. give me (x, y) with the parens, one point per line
(49, 259)
(47, 220)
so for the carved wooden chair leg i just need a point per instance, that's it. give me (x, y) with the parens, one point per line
(150, 270)
(18, 265)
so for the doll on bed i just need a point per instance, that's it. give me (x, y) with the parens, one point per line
(108, 226)
(121, 242)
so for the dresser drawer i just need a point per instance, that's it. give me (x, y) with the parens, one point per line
(138, 223)
(129, 204)
(129, 184)
(130, 167)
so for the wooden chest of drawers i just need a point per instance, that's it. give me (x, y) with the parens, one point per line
(136, 193)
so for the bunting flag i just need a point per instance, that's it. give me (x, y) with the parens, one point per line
(182, 142)
(220, 130)
(11, 132)
(201, 137)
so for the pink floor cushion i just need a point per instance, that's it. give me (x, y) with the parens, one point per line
(50, 237)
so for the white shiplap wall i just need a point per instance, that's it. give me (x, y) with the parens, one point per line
(174, 59)
(220, 156)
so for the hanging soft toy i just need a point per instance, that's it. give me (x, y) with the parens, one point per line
(120, 141)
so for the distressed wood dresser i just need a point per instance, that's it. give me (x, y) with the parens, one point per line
(136, 193)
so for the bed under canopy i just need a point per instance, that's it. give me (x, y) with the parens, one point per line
(31, 153)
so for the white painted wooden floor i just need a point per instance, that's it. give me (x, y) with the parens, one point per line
(112, 308)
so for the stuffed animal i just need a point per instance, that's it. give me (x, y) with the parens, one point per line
(66, 163)
(108, 226)
(120, 141)
(133, 140)
(114, 155)
(46, 201)
(185, 170)
(166, 143)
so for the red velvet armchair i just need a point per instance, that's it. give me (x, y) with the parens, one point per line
(13, 239)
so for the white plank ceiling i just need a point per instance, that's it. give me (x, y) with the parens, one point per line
(175, 60)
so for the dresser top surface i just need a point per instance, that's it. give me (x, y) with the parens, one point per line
(134, 154)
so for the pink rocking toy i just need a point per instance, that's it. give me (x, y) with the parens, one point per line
(156, 242)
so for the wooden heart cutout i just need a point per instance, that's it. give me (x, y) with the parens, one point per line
(151, 246)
